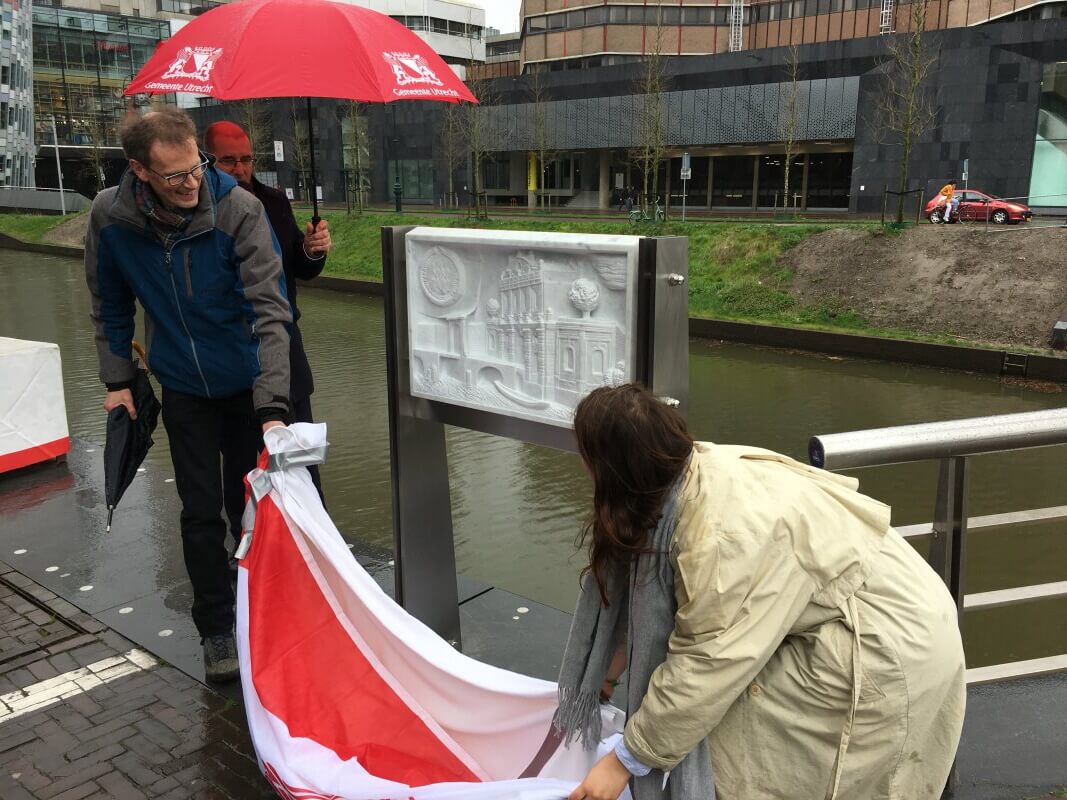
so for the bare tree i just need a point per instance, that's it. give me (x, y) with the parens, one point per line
(96, 123)
(357, 155)
(650, 122)
(477, 127)
(789, 121)
(905, 107)
(539, 111)
(254, 117)
(452, 147)
(300, 147)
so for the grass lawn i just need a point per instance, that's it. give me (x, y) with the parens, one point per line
(30, 227)
(733, 267)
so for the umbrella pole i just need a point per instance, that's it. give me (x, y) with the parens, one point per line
(110, 514)
(314, 190)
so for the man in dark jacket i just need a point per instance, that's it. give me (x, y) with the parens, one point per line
(200, 258)
(303, 257)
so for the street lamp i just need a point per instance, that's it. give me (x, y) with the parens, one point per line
(398, 189)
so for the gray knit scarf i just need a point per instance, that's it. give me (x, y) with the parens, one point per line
(642, 608)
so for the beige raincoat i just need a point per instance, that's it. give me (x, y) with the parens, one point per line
(813, 644)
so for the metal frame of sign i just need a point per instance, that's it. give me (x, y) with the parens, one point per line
(425, 559)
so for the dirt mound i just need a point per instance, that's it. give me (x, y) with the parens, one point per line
(1006, 285)
(70, 233)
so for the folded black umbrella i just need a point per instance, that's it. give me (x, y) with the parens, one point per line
(128, 440)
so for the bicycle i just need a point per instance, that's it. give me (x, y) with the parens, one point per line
(640, 215)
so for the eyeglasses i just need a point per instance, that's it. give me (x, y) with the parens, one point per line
(178, 178)
(229, 162)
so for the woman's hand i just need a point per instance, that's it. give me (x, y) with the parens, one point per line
(605, 780)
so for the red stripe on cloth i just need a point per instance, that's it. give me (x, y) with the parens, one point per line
(311, 675)
(34, 455)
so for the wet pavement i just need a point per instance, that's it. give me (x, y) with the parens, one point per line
(101, 678)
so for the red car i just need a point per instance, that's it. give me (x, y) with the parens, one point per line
(978, 206)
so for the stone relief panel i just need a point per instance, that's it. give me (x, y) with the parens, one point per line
(519, 323)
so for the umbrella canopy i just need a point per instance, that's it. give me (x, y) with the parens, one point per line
(299, 48)
(128, 440)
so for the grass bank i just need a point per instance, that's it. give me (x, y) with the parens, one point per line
(733, 266)
(31, 227)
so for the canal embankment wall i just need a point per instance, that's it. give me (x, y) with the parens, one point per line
(1019, 364)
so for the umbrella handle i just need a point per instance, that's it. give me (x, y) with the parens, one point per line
(139, 349)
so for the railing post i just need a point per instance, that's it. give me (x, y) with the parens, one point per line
(947, 544)
(885, 197)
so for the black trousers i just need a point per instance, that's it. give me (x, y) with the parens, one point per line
(206, 434)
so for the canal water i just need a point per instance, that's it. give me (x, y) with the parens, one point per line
(517, 509)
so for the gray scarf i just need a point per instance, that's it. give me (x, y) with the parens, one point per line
(642, 606)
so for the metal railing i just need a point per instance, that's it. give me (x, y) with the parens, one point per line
(953, 444)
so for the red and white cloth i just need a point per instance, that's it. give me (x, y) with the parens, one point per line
(349, 697)
(33, 414)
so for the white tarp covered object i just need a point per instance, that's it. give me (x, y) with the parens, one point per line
(33, 413)
(348, 696)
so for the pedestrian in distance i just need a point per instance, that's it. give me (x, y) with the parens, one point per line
(303, 257)
(199, 257)
(950, 201)
(781, 640)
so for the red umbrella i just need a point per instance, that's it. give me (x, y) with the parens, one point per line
(299, 48)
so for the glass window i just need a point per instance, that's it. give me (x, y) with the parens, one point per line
(823, 6)
(696, 16)
(555, 22)
(575, 19)
(617, 14)
(1048, 179)
(596, 16)
(732, 181)
(670, 15)
(829, 180)
(635, 15)
(771, 173)
(535, 24)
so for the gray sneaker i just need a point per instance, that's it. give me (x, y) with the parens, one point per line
(220, 658)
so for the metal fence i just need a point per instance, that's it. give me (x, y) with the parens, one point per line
(953, 444)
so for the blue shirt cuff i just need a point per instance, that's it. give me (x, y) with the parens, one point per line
(636, 768)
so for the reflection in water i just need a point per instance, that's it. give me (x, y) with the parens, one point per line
(518, 508)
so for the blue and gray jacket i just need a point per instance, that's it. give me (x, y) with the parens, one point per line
(216, 313)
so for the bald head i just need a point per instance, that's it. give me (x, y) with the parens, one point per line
(222, 130)
(232, 149)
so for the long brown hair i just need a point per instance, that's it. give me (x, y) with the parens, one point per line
(635, 446)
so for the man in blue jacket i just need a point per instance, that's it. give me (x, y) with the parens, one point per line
(201, 260)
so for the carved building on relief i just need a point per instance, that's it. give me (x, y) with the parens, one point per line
(560, 359)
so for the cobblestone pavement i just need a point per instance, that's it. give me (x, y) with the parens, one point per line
(84, 713)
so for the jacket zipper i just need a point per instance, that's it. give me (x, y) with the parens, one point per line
(181, 316)
(188, 273)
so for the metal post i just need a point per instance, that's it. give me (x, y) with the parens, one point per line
(398, 188)
(950, 526)
(948, 545)
(885, 197)
(425, 560)
(684, 182)
(59, 169)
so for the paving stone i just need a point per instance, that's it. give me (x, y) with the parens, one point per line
(118, 787)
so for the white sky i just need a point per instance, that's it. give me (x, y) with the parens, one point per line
(502, 14)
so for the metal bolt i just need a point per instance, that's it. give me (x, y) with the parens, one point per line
(674, 279)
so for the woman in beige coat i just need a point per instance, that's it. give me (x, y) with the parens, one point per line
(812, 647)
